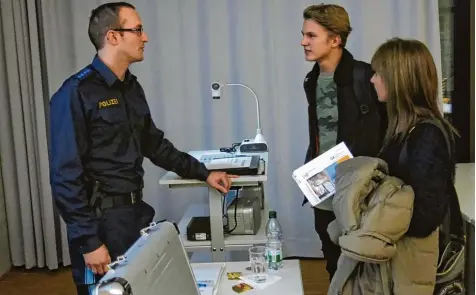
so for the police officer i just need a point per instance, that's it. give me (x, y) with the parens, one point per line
(101, 128)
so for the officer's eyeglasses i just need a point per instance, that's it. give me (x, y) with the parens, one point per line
(138, 31)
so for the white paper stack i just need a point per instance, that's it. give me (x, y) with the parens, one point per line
(208, 276)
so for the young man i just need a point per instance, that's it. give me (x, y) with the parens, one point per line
(101, 128)
(343, 105)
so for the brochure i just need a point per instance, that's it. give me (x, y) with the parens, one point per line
(316, 178)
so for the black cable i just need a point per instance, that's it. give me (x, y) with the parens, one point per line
(231, 149)
(236, 223)
(226, 230)
(236, 206)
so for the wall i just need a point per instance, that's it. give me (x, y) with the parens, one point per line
(192, 45)
(463, 109)
(472, 98)
(5, 261)
(446, 36)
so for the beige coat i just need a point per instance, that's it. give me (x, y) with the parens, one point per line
(373, 212)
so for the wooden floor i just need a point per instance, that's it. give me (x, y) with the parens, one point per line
(315, 278)
(43, 282)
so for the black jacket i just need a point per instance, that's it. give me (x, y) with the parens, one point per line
(362, 120)
(428, 167)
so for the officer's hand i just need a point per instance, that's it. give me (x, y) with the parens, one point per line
(98, 260)
(220, 180)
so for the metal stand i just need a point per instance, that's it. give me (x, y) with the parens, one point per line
(216, 225)
(220, 244)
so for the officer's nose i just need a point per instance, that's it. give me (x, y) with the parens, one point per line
(145, 38)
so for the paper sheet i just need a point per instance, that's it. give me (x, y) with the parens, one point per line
(249, 280)
(208, 276)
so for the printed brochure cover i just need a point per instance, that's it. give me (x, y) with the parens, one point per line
(316, 178)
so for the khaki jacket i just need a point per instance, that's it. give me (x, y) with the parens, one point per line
(373, 212)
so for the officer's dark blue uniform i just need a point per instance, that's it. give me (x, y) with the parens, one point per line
(101, 128)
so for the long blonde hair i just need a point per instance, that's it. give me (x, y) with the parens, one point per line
(409, 74)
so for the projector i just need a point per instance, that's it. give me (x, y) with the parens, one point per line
(250, 146)
(244, 216)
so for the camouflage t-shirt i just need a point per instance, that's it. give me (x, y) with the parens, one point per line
(327, 116)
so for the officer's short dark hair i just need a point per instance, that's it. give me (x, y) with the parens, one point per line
(104, 18)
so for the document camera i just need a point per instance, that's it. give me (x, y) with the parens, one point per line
(258, 144)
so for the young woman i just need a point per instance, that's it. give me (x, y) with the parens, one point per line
(406, 79)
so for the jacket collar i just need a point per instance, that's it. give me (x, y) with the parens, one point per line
(343, 73)
(106, 72)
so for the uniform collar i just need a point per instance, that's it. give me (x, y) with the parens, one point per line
(106, 72)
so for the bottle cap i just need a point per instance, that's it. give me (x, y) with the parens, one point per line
(272, 214)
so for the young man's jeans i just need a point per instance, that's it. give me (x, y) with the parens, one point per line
(331, 251)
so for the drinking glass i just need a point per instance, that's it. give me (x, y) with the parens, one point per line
(259, 266)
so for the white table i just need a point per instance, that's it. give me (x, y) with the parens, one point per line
(219, 242)
(290, 283)
(464, 184)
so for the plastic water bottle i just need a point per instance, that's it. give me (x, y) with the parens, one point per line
(274, 244)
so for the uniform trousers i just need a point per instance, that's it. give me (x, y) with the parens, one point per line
(119, 228)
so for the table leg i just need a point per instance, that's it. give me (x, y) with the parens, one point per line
(469, 265)
(216, 225)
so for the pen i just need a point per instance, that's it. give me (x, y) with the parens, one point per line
(204, 283)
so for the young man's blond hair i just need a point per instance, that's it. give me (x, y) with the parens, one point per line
(332, 17)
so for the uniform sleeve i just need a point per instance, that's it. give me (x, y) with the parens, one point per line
(68, 144)
(162, 153)
(428, 170)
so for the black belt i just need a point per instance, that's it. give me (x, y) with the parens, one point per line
(112, 200)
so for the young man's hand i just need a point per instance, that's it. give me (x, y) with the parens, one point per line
(220, 180)
(98, 260)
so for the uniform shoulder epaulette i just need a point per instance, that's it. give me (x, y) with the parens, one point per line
(84, 73)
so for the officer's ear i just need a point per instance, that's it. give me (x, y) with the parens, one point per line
(112, 37)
